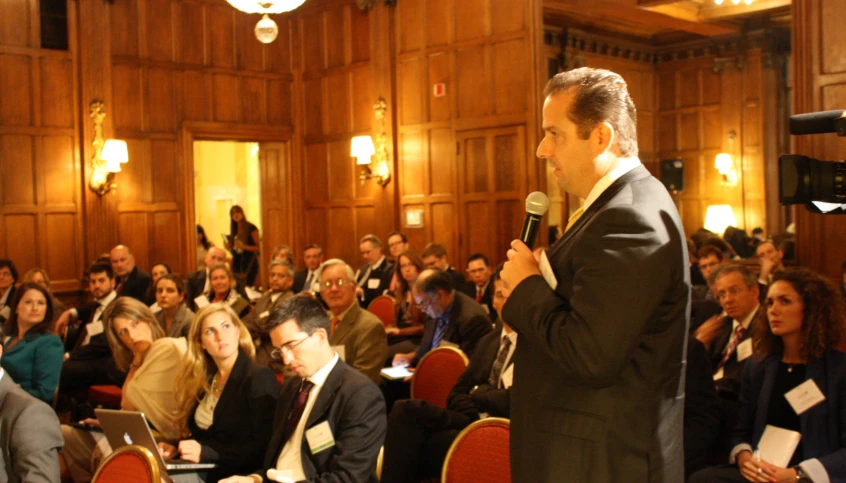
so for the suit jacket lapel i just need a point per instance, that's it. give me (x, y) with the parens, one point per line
(236, 378)
(452, 317)
(326, 395)
(286, 400)
(346, 323)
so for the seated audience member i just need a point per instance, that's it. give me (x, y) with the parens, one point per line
(88, 361)
(327, 396)
(795, 343)
(420, 434)
(758, 234)
(30, 439)
(153, 361)
(203, 246)
(222, 283)
(397, 244)
(702, 414)
(39, 276)
(33, 353)
(305, 279)
(156, 272)
(703, 304)
(174, 316)
(226, 400)
(198, 284)
(479, 286)
(280, 290)
(130, 281)
(435, 256)
(726, 249)
(455, 318)
(282, 252)
(404, 336)
(8, 278)
(361, 333)
(696, 277)
(770, 258)
(374, 278)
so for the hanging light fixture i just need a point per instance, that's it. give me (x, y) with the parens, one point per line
(266, 29)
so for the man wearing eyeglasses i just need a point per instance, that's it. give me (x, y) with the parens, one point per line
(361, 333)
(330, 422)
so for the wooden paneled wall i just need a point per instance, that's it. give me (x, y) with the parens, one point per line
(819, 69)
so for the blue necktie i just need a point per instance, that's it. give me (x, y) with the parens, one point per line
(440, 329)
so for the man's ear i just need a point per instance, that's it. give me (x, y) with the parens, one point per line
(605, 135)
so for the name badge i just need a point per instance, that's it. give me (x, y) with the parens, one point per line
(320, 437)
(804, 396)
(201, 301)
(719, 374)
(373, 283)
(264, 314)
(744, 350)
(507, 377)
(546, 271)
(341, 350)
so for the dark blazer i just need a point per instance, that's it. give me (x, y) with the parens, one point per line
(383, 274)
(242, 423)
(355, 410)
(30, 438)
(702, 414)
(599, 384)
(823, 426)
(729, 385)
(457, 277)
(35, 363)
(300, 277)
(136, 285)
(469, 289)
(98, 346)
(468, 322)
(486, 398)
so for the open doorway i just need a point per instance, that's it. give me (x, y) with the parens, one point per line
(226, 174)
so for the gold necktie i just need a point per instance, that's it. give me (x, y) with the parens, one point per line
(574, 218)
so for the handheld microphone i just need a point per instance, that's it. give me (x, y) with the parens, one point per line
(536, 205)
(818, 122)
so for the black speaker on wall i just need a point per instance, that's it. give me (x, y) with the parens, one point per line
(672, 174)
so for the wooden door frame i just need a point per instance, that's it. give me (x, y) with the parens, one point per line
(207, 131)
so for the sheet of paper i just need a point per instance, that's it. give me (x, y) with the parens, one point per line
(777, 445)
(280, 476)
(804, 396)
(201, 301)
(395, 373)
(546, 271)
(507, 376)
(744, 350)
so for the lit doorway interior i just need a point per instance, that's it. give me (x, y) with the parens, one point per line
(226, 173)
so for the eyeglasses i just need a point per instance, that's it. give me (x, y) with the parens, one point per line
(337, 283)
(289, 348)
(425, 304)
(394, 244)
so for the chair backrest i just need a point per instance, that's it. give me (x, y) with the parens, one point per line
(480, 454)
(383, 307)
(129, 464)
(436, 374)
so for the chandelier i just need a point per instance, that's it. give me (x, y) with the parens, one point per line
(266, 29)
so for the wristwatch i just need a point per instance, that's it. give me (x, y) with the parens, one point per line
(801, 476)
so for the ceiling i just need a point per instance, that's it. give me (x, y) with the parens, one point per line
(661, 22)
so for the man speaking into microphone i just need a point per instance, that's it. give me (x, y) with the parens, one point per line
(602, 319)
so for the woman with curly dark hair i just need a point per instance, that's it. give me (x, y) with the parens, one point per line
(794, 346)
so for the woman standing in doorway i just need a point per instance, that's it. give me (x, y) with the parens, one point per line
(244, 244)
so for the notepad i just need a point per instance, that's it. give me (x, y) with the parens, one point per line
(777, 445)
(395, 373)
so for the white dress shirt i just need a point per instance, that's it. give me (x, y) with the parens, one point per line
(626, 165)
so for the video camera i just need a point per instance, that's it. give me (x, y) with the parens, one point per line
(819, 185)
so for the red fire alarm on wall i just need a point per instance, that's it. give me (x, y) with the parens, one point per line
(439, 89)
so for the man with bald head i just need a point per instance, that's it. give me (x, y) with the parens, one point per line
(130, 281)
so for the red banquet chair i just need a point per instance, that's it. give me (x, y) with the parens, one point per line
(105, 396)
(383, 307)
(129, 464)
(480, 454)
(436, 374)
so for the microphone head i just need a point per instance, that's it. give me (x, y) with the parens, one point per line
(537, 203)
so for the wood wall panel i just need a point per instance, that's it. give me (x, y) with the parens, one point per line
(313, 101)
(410, 90)
(510, 215)
(221, 36)
(18, 181)
(191, 26)
(408, 15)
(443, 222)
(165, 187)
(131, 179)
(510, 76)
(360, 24)
(438, 71)
(340, 171)
(193, 96)
(225, 103)
(123, 22)
(311, 30)
(365, 224)
(134, 231)
(129, 106)
(507, 16)
(474, 88)
(249, 54)
(15, 23)
(57, 169)
(279, 105)
(333, 21)
(442, 175)
(253, 103)
(478, 228)
(316, 174)
(159, 30)
(17, 229)
(161, 104)
(471, 19)
(57, 107)
(316, 230)
(438, 32)
(164, 240)
(337, 97)
(362, 104)
(414, 164)
(60, 266)
(341, 221)
(16, 83)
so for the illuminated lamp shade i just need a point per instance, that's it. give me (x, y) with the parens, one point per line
(114, 154)
(723, 163)
(718, 218)
(361, 148)
(266, 30)
(265, 6)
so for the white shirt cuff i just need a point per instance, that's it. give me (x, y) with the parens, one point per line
(815, 470)
(736, 450)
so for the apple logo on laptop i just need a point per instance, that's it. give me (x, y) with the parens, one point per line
(127, 438)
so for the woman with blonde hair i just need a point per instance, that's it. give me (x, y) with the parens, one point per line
(139, 347)
(226, 401)
(222, 289)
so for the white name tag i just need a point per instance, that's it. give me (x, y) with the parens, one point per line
(373, 283)
(804, 396)
(264, 314)
(546, 271)
(201, 301)
(341, 350)
(744, 350)
(719, 374)
(507, 376)
(320, 437)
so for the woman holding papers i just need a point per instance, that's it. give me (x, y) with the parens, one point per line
(792, 425)
(152, 360)
(226, 401)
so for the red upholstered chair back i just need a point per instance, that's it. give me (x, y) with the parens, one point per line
(383, 307)
(436, 374)
(129, 464)
(480, 454)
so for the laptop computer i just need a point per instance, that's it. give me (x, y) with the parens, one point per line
(123, 428)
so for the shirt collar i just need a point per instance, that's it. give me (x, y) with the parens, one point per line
(107, 299)
(512, 336)
(625, 165)
(375, 266)
(319, 377)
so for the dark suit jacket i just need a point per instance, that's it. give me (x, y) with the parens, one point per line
(729, 385)
(468, 322)
(599, 382)
(469, 289)
(243, 418)
(383, 274)
(355, 410)
(30, 438)
(486, 398)
(702, 414)
(457, 277)
(823, 426)
(300, 277)
(136, 285)
(98, 346)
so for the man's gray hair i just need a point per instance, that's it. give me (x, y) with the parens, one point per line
(331, 263)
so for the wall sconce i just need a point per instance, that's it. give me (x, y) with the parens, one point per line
(363, 148)
(725, 164)
(108, 154)
(718, 218)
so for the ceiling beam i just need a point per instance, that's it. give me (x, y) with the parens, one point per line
(727, 9)
(662, 20)
(688, 12)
